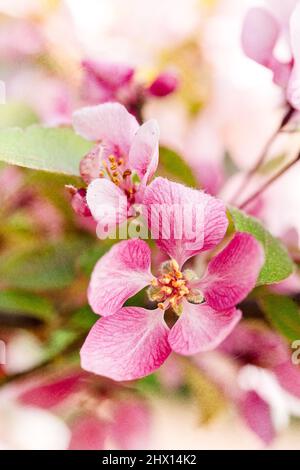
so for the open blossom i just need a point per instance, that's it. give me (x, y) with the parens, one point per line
(263, 29)
(122, 162)
(269, 383)
(102, 418)
(131, 342)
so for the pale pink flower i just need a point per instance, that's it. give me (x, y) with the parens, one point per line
(128, 343)
(103, 80)
(104, 418)
(127, 427)
(122, 162)
(263, 29)
(268, 382)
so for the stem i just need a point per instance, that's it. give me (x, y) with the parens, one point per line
(244, 184)
(268, 183)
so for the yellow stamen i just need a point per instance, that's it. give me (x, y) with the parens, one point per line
(126, 173)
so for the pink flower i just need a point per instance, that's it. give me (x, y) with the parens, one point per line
(268, 382)
(261, 33)
(164, 84)
(131, 342)
(103, 80)
(122, 162)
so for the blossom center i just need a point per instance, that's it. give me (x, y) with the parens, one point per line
(172, 286)
(114, 169)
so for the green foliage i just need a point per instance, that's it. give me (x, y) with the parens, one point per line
(57, 150)
(46, 267)
(172, 165)
(278, 265)
(283, 313)
(17, 114)
(26, 303)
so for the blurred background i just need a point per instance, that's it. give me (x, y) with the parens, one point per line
(180, 62)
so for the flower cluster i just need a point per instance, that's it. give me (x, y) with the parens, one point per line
(131, 342)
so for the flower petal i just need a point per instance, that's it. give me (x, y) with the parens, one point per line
(128, 345)
(288, 375)
(118, 275)
(200, 328)
(293, 92)
(259, 36)
(257, 414)
(89, 433)
(111, 75)
(107, 202)
(131, 425)
(91, 164)
(143, 155)
(183, 221)
(233, 273)
(110, 123)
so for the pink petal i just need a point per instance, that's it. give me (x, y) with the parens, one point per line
(79, 203)
(88, 433)
(293, 92)
(91, 164)
(233, 273)
(259, 36)
(118, 275)
(109, 123)
(164, 84)
(200, 328)
(183, 221)
(257, 415)
(128, 345)
(249, 343)
(143, 156)
(109, 74)
(131, 425)
(107, 202)
(51, 394)
(288, 375)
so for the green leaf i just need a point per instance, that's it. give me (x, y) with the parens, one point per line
(278, 265)
(83, 319)
(283, 313)
(25, 303)
(149, 384)
(44, 268)
(60, 340)
(172, 165)
(17, 114)
(57, 150)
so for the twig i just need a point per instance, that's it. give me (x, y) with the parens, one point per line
(268, 183)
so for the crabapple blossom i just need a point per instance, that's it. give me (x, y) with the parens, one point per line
(262, 31)
(131, 342)
(122, 162)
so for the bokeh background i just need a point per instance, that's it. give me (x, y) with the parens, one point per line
(218, 117)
